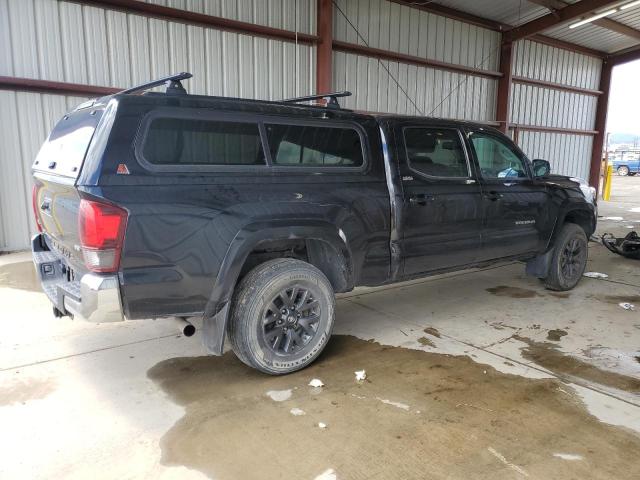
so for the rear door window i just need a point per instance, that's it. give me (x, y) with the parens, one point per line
(436, 152)
(195, 142)
(314, 146)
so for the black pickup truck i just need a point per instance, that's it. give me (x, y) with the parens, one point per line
(252, 214)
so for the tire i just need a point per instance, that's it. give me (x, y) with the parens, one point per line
(570, 246)
(623, 171)
(277, 329)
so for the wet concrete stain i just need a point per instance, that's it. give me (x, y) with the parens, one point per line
(560, 294)
(556, 335)
(456, 414)
(432, 331)
(426, 342)
(548, 356)
(616, 299)
(513, 292)
(21, 275)
(622, 298)
(19, 391)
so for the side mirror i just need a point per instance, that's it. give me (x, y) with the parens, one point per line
(541, 168)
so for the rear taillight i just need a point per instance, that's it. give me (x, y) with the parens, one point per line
(101, 227)
(34, 203)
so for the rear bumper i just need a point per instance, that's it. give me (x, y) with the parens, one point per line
(93, 297)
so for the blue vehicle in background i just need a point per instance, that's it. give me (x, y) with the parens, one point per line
(627, 166)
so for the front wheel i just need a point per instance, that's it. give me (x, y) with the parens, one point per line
(282, 316)
(623, 171)
(569, 258)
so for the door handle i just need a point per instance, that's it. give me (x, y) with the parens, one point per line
(493, 196)
(420, 199)
(45, 206)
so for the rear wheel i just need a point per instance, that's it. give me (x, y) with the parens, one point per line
(282, 316)
(569, 258)
(623, 171)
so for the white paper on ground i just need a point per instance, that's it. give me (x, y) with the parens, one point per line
(595, 275)
(568, 456)
(316, 382)
(360, 375)
(279, 395)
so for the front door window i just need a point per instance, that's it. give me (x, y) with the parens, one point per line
(496, 158)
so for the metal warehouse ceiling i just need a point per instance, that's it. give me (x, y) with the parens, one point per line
(613, 33)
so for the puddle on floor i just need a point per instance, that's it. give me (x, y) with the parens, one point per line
(18, 390)
(462, 420)
(513, 292)
(548, 356)
(556, 335)
(21, 275)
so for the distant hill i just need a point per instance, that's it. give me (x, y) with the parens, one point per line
(624, 138)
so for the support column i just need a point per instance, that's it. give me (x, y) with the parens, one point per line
(503, 101)
(324, 56)
(600, 124)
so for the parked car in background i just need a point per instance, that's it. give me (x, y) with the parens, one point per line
(252, 214)
(627, 166)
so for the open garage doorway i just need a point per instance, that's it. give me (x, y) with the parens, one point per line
(623, 138)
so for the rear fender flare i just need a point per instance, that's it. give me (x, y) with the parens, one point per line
(217, 310)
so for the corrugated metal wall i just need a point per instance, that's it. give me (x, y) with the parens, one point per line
(63, 41)
(68, 42)
(568, 154)
(26, 119)
(390, 26)
(534, 105)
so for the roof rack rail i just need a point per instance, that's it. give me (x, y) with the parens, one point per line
(332, 103)
(174, 87)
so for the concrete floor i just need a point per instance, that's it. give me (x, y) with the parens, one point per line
(478, 374)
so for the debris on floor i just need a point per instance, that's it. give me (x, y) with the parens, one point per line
(627, 246)
(615, 219)
(322, 425)
(279, 395)
(316, 382)
(568, 456)
(627, 306)
(595, 275)
(360, 375)
(328, 474)
(402, 406)
(297, 412)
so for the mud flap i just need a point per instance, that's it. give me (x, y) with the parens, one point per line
(539, 266)
(214, 329)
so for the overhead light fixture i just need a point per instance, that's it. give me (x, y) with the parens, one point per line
(629, 5)
(606, 13)
(593, 18)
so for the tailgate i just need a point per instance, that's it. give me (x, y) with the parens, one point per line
(55, 198)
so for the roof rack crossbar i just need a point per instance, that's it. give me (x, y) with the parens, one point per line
(333, 98)
(174, 84)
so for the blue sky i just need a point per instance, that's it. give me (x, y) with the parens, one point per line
(624, 103)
